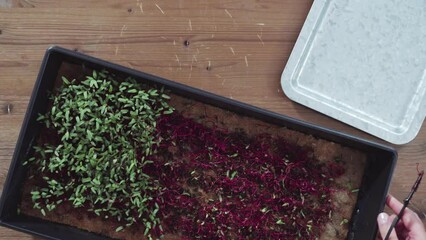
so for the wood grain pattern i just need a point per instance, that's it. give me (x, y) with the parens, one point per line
(236, 49)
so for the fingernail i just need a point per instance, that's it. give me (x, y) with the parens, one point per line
(383, 218)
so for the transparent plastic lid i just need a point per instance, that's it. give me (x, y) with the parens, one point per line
(364, 63)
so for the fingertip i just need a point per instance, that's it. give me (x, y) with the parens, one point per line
(382, 218)
(390, 198)
(384, 221)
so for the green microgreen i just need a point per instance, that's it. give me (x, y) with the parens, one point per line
(105, 135)
(344, 221)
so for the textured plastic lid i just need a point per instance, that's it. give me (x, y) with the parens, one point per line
(363, 62)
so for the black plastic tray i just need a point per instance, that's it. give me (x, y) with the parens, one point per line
(381, 160)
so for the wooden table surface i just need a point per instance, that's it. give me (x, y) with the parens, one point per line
(236, 49)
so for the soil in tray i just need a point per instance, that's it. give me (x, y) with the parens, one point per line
(227, 176)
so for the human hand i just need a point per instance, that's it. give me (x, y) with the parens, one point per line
(410, 227)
